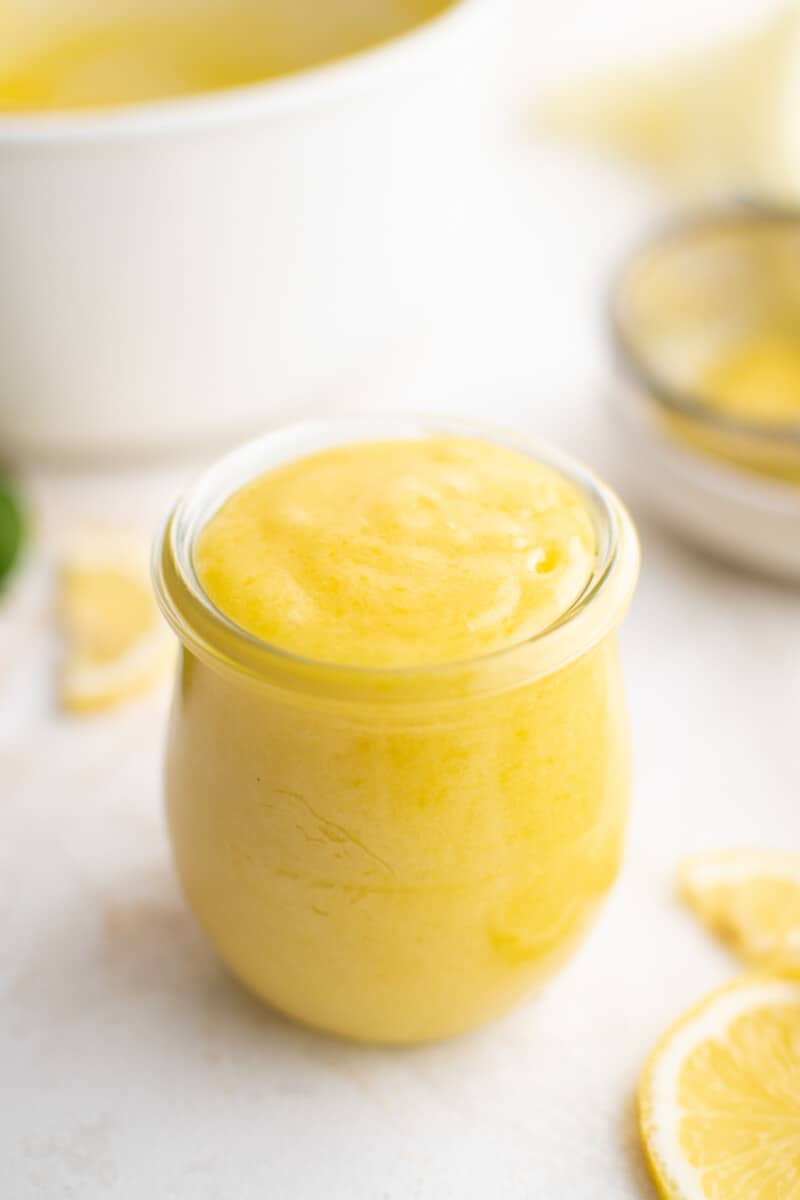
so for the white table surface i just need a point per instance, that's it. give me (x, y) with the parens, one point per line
(133, 1068)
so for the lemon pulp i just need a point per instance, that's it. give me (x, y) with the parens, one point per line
(751, 898)
(116, 644)
(718, 1097)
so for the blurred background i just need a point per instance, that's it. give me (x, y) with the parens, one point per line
(518, 319)
(525, 215)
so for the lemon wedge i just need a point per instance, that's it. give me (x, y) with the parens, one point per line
(116, 642)
(718, 120)
(749, 897)
(719, 1099)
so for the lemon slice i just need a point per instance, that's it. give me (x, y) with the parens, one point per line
(725, 118)
(720, 1096)
(751, 898)
(116, 642)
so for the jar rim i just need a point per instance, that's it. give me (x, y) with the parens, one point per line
(211, 635)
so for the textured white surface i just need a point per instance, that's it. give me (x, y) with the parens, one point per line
(133, 1068)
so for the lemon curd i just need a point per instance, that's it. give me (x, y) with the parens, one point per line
(398, 765)
(757, 380)
(400, 554)
(92, 57)
(751, 392)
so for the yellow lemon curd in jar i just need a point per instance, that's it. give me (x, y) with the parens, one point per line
(402, 864)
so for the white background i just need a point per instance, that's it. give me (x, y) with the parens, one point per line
(131, 1067)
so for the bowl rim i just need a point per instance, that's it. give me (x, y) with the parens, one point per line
(770, 496)
(326, 82)
(653, 386)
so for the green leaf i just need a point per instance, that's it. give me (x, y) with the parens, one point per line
(12, 531)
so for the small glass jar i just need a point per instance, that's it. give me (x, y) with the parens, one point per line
(395, 855)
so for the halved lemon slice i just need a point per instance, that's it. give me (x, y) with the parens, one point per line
(116, 642)
(720, 1096)
(751, 898)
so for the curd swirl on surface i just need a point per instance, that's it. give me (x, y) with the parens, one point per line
(400, 554)
(397, 855)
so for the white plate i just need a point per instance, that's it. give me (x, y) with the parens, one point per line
(752, 521)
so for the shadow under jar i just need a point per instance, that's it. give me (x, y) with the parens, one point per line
(395, 855)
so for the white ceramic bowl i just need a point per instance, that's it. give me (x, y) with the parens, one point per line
(181, 271)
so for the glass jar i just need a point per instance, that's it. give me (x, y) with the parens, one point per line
(395, 855)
